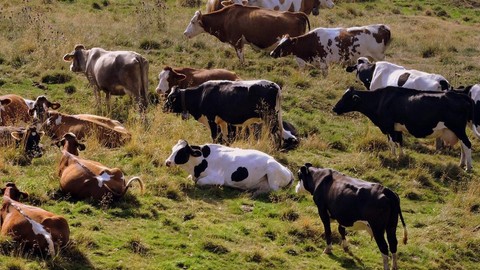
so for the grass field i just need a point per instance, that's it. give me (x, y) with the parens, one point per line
(176, 225)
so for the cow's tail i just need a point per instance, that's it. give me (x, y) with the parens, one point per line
(395, 202)
(144, 76)
(307, 20)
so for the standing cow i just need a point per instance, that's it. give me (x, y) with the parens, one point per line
(354, 203)
(323, 46)
(382, 74)
(214, 164)
(232, 102)
(115, 72)
(238, 25)
(305, 6)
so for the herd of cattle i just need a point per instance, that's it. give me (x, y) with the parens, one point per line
(399, 100)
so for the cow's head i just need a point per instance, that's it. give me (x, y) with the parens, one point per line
(284, 47)
(304, 179)
(70, 143)
(30, 141)
(167, 79)
(181, 153)
(364, 70)
(326, 4)
(40, 109)
(11, 191)
(174, 101)
(195, 27)
(78, 58)
(349, 102)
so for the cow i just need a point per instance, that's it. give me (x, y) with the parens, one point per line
(305, 6)
(26, 138)
(323, 46)
(39, 109)
(423, 114)
(215, 164)
(83, 178)
(238, 25)
(115, 72)
(354, 203)
(232, 102)
(13, 110)
(473, 91)
(188, 77)
(31, 227)
(382, 74)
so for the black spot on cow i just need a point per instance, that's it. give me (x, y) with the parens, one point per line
(200, 168)
(182, 156)
(403, 79)
(206, 151)
(240, 174)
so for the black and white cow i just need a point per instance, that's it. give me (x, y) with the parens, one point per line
(239, 103)
(354, 203)
(382, 74)
(423, 114)
(215, 164)
(27, 138)
(473, 91)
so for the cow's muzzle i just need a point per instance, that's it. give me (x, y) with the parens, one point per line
(315, 11)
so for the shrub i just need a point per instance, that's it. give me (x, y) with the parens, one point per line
(190, 3)
(56, 78)
(150, 45)
(70, 89)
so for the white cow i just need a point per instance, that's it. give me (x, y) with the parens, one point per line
(382, 74)
(214, 164)
(306, 6)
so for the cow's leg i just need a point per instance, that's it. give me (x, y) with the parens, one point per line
(223, 128)
(98, 97)
(322, 212)
(392, 240)
(343, 233)
(378, 232)
(107, 100)
(210, 180)
(466, 147)
(239, 50)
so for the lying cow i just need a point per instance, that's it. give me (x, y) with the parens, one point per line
(84, 178)
(423, 114)
(305, 6)
(40, 107)
(189, 77)
(354, 203)
(232, 102)
(323, 46)
(26, 138)
(13, 110)
(238, 25)
(382, 74)
(115, 72)
(31, 227)
(214, 164)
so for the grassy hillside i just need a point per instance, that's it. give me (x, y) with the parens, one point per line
(175, 225)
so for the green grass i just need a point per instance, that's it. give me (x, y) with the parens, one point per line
(176, 225)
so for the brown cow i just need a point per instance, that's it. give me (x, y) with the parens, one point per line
(188, 77)
(84, 178)
(13, 110)
(32, 227)
(238, 25)
(115, 72)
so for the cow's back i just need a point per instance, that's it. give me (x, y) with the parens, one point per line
(15, 112)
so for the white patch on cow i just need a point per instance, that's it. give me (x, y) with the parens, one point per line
(163, 82)
(194, 28)
(104, 177)
(58, 121)
(29, 103)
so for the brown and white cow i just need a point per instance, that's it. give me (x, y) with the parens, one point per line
(188, 77)
(13, 110)
(323, 46)
(115, 72)
(29, 226)
(84, 178)
(305, 6)
(26, 138)
(238, 25)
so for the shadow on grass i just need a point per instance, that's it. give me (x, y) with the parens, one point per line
(348, 262)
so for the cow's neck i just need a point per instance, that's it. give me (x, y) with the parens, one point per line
(370, 105)
(191, 100)
(308, 51)
(212, 24)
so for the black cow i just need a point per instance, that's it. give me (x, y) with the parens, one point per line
(353, 202)
(423, 114)
(26, 138)
(231, 102)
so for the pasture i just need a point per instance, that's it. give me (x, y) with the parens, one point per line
(176, 225)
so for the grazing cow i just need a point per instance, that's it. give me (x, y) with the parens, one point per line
(31, 227)
(238, 25)
(354, 203)
(189, 77)
(231, 102)
(214, 164)
(84, 178)
(382, 74)
(323, 46)
(27, 138)
(115, 72)
(305, 6)
(13, 110)
(423, 114)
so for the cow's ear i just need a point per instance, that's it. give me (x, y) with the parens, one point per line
(17, 135)
(54, 105)
(351, 68)
(308, 165)
(304, 170)
(181, 77)
(68, 57)
(81, 146)
(79, 47)
(5, 101)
